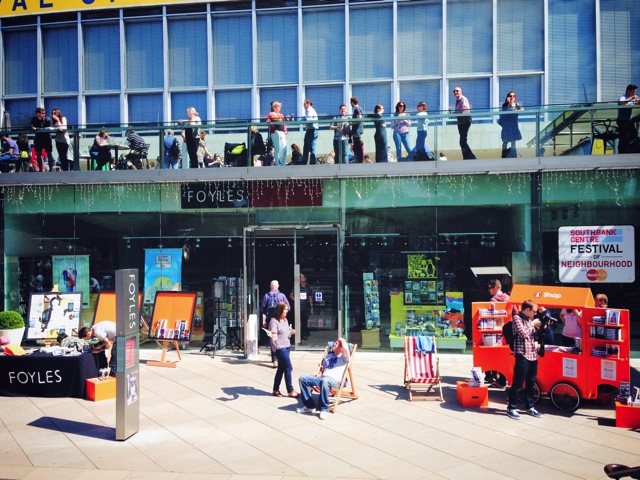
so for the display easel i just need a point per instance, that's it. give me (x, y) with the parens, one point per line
(163, 362)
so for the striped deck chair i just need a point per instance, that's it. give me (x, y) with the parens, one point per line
(421, 370)
(347, 385)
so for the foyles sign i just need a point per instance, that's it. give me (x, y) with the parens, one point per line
(257, 194)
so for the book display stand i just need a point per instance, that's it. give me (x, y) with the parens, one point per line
(171, 323)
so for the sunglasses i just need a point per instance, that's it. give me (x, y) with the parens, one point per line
(456, 91)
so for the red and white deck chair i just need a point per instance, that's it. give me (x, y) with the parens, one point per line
(421, 368)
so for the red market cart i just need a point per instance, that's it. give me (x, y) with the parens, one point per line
(565, 376)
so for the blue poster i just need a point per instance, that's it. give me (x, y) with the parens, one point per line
(162, 270)
(71, 274)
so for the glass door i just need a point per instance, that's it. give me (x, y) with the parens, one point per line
(306, 263)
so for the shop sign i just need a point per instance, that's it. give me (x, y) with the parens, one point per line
(33, 7)
(258, 194)
(596, 254)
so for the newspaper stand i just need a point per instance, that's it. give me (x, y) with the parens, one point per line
(566, 377)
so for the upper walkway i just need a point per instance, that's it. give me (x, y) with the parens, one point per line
(554, 138)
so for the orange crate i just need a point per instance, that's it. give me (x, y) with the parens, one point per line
(472, 396)
(101, 389)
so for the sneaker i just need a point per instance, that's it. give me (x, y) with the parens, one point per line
(534, 413)
(324, 415)
(306, 410)
(513, 414)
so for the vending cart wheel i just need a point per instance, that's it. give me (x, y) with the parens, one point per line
(536, 394)
(565, 397)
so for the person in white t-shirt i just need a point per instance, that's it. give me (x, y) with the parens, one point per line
(331, 372)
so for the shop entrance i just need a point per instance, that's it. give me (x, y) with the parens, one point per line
(283, 253)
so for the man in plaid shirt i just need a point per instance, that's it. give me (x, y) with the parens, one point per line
(524, 330)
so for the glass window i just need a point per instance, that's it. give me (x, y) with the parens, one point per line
(60, 59)
(371, 43)
(323, 45)
(103, 110)
(188, 57)
(326, 100)
(619, 41)
(20, 111)
(144, 54)
(286, 96)
(145, 108)
(67, 105)
(20, 67)
(572, 50)
(413, 92)
(233, 105)
(101, 57)
(232, 50)
(277, 48)
(370, 95)
(520, 35)
(528, 89)
(420, 39)
(183, 100)
(469, 36)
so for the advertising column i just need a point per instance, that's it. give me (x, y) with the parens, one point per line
(127, 347)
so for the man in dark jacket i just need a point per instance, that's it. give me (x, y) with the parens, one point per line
(42, 140)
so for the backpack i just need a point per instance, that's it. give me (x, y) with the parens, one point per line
(271, 306)
(507, 334)
(175, 149)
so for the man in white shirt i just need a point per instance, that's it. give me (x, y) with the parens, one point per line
(330, 376)
(310, 134)
(106, 332)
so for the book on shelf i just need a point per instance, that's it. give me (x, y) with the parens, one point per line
(613, 317)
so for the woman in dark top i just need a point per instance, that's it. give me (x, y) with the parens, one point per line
(296, 155)
(509, 123)
(380, 135)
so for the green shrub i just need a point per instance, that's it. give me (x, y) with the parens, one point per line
(10, 319)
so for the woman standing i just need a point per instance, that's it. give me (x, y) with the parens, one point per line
(401, 131)
(281, 332)
(62, 139)
(191, 138)
(380, 135)
(509, 123)
(278, 133)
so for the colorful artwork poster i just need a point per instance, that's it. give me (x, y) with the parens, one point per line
(71, 274)
(162, 270)
(421, 265)
(53, 313)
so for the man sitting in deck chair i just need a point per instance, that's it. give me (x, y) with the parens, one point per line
(330, 375)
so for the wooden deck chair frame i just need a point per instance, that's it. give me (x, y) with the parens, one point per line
(422, 379)
(347, 385)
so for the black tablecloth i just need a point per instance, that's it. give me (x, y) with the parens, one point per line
(45, 375)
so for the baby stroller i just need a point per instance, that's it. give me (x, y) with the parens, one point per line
(235, 154)
(136, 159)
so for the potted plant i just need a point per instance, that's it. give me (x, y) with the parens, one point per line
(12, 326)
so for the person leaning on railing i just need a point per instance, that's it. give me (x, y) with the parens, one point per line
(629, 142)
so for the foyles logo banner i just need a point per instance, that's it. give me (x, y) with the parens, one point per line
(257, 194)
(31, 7)
(591, 254)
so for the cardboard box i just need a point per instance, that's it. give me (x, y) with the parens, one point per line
(472, 396)
(101, 389)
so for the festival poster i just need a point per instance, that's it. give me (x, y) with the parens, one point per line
(71, 274)
(162, 270)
